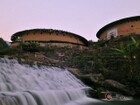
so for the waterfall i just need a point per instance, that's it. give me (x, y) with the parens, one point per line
(38, 85)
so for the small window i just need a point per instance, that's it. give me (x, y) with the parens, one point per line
(132, 26)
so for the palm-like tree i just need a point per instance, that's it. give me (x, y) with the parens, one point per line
(129, 53)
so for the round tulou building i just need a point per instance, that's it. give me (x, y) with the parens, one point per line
(123, 27)
(47, 37)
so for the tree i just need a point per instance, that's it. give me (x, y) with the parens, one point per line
(3, 44)
(129, 52)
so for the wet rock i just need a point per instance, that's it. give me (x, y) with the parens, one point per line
(118, 87)
(92, 79)
(9, 57)
(92, 93)
(97, 77)
(86, 79)
(74, 71)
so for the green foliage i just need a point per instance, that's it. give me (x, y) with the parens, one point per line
(3, 47)
(130, 56)
(102, 43)
(89, 63)
(10, 51)
(128, 50)
(90, 43)
(121, 51)
(3, 44)
(49, 49)
(32, 46)
(66, 48)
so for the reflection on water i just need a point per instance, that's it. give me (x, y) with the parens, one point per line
(128, 102)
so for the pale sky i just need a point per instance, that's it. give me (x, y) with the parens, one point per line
(82, 17)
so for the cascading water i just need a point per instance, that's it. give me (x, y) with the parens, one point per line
(26, 85)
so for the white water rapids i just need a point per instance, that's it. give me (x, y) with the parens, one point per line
(26, 85)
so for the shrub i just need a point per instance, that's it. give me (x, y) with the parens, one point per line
(3, 44)
(30, 46)
(10, 51)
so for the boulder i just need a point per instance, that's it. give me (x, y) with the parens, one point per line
(92, 79)
(74, 71)
(118, 87)
(96, 78)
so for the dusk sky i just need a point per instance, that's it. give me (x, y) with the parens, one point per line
(82, 17)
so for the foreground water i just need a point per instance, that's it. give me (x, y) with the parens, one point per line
(26, 85)
(125, 102)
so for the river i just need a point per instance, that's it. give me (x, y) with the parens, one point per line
(41, 85)
(128, 102)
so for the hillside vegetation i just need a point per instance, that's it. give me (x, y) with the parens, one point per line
(117, 60)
